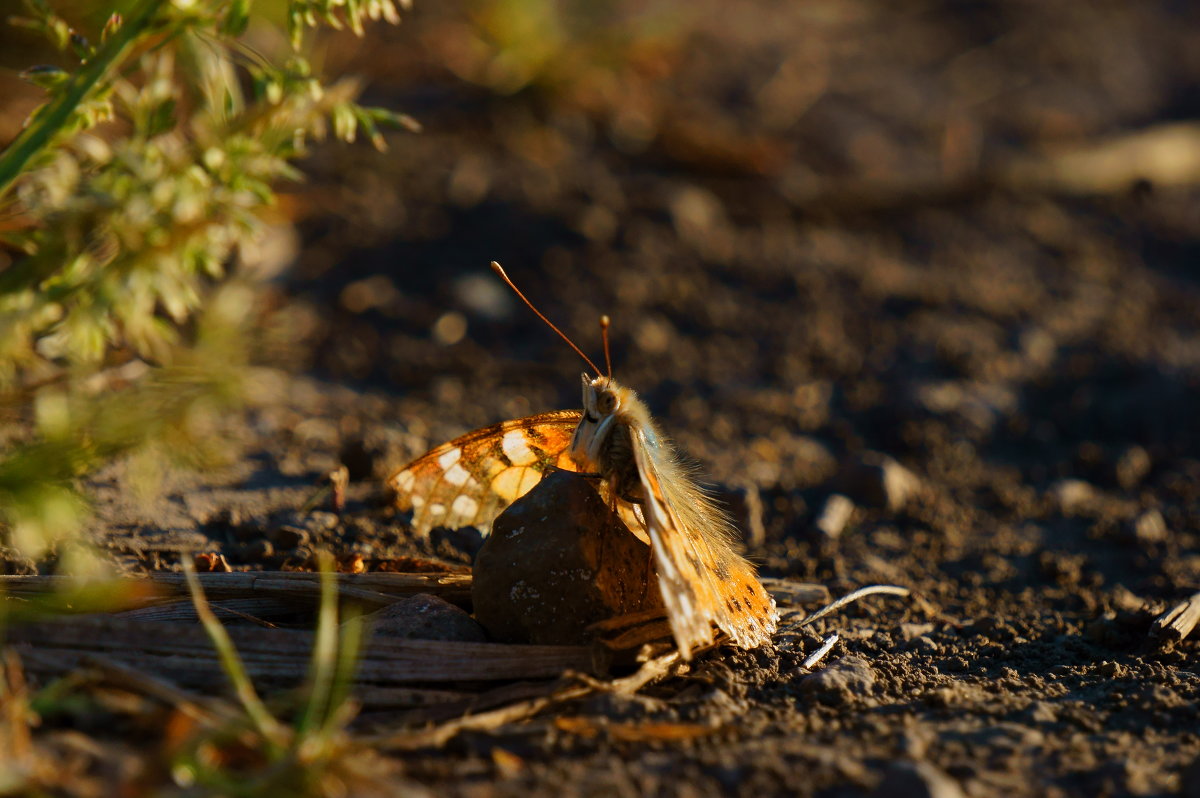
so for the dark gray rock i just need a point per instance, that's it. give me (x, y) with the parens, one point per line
(288, 537)
(557, 561)
(463, 542)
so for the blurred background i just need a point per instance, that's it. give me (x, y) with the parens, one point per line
(962, 234)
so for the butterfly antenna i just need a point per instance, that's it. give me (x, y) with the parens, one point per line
(498, 269)
(604, 322)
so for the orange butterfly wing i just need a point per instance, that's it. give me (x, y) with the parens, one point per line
(471, 479)
(703, 580)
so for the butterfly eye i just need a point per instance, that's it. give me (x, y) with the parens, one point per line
(606, 403)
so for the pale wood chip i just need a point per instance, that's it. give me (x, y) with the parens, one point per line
(1179, 621)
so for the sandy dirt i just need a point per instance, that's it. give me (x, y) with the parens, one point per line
(822, 282)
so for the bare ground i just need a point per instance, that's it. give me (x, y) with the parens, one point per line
(809, 276)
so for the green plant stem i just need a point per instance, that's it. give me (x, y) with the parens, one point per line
(273, 733)
(37, 136)
(324, 655)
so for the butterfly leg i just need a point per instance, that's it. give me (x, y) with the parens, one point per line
(650, 580)
(584, 474)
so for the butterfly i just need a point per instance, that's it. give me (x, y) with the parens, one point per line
(703, 579)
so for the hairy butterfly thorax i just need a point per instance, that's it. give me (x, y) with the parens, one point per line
(602, 442)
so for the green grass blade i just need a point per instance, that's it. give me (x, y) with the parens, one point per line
(322, 667)
(273, 733)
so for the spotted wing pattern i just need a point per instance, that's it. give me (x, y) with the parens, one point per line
(703, 580)
(471, 479)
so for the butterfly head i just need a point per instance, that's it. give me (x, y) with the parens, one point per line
(609, 409)
(601, 403)
(602, 397)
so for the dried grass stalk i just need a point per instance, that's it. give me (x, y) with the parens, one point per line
(255, 610)
(1179, 621)
(378, 589)
(183, 653)
(439, 735)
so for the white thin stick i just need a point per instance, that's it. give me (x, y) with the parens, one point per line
(811, 661)
(862, 592)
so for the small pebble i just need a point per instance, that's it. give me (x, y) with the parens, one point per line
(835, 514)
(1150, 527)
(850, 675)
(288, 537)
(923, 645)
(253, 551)
(1132, 467)
(917, 780)
(908, 631)
(876, 480)
(1042, 712)
(321, 521)
(1073, 495)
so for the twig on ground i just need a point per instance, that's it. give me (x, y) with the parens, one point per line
(651, 671)
(377, 589)
(1178, 621)
(788, 637)
(439, 735)
(814, 658)
(850, 598)
(257, 611)
(182, 652)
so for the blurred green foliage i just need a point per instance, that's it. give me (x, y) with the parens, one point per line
(581, 51)
(125, 203)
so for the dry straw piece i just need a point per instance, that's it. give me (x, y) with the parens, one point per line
(183, 653)
(1179, 621)
(301, 587)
